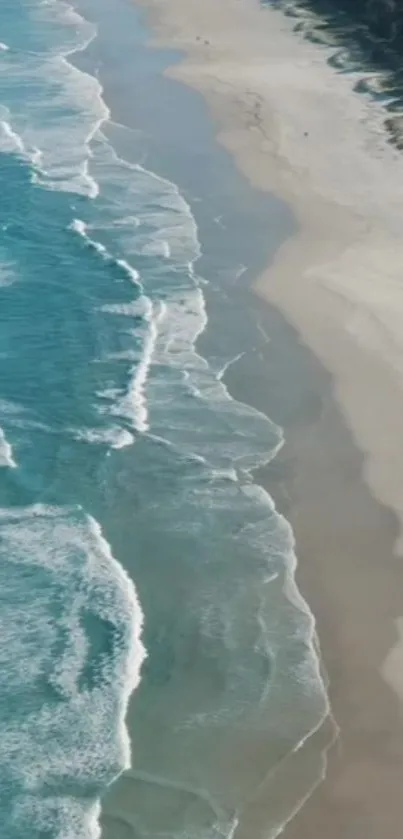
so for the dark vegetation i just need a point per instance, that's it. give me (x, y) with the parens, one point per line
(369, 34)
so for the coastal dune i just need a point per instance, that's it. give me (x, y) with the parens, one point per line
(296, 129)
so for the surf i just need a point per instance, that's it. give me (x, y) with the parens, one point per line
(130, 452)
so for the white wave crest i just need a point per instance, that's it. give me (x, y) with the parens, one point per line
(10, 141)
(6, 452)
(62, 107)
(133, 404)
(58, 577)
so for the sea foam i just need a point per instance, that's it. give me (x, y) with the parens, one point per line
(71, 100)
(58, 564)
(133, 403)
(61, 583)
(6, 452)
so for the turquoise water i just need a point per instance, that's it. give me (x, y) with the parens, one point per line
(125, 477)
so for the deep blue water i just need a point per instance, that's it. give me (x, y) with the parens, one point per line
(125, 479)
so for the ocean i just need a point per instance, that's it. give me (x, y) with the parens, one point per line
(139, 557)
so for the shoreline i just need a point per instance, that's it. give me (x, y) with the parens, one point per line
(121, 806)
(362, 652)
(334, 234)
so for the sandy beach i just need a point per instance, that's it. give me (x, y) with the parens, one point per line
(296, 129)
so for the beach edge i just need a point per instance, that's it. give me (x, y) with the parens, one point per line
(245, 127)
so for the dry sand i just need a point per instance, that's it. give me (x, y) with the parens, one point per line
(297, 130)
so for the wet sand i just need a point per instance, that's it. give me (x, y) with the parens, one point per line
(353, 583)
(340, 474)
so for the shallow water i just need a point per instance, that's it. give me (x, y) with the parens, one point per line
(120, 448)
